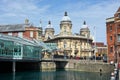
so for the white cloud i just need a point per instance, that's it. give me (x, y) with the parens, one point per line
(94, 12)
(95, 15)
(21, 8)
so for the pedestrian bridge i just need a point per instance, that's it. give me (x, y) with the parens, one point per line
(16, 52)
(55, 60)
(16, 48)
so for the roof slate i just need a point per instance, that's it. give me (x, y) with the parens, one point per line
(11, 28)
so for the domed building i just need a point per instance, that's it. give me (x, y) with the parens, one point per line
(49, 31)
(69, 44)
(84, 31)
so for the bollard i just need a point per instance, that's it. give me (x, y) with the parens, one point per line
(115, 71)
(112, 76)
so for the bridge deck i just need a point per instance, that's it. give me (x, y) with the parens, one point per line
(55, 59)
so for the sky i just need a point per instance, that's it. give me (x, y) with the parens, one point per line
(94, 12)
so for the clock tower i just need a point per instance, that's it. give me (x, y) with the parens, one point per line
(66, 25)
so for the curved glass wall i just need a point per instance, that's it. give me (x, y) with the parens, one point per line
(18, 48)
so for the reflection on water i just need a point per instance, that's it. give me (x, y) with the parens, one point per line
(54, 75)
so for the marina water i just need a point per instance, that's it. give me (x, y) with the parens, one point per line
(55, 75)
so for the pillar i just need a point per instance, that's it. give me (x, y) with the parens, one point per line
(14, 66)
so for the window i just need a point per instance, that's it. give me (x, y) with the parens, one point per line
(75, 44)
(118, 38)
(111, 49)
(20, 34)
(10, 34)
(64, 28)
(110, 38)
(65, 44)
(31, 34)
(39, 33)
(110, 28)
(119, 15)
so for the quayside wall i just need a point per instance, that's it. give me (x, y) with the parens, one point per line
(76, 65)
(88, 66)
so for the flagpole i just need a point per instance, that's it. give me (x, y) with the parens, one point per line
(95, 42)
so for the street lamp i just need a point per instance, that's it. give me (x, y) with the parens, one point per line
(95, 43)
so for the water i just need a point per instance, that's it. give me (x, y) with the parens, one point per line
(54, 75)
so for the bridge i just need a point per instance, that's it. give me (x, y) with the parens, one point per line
(16, 48)
(20, 53)
(15, 51)
(55, 60)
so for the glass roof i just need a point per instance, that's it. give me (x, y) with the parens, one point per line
(45, 46)
(18, 40)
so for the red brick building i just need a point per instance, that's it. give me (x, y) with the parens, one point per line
(113, 36)
(25, 30)
(101, 48)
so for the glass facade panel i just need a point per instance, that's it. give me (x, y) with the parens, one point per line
(5, 48)
(31, 51)
(51, 46)
(11, 49)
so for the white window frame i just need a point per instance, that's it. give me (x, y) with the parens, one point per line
(20, 34)
(10, 33)
(31, 34)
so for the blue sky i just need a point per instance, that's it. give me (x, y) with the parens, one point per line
(94, 12)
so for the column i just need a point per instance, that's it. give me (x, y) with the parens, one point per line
(14, 66)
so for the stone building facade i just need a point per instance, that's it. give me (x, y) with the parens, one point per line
(69, 44)
(113, 36)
